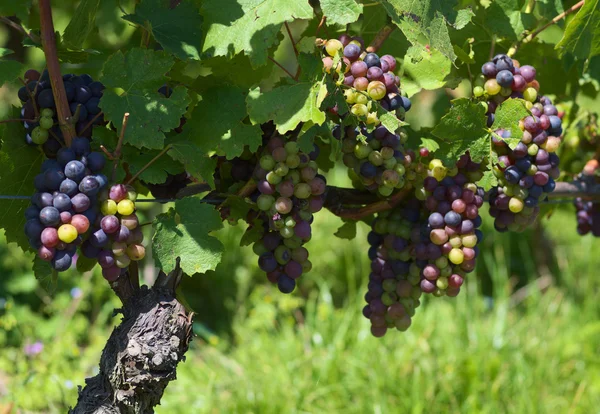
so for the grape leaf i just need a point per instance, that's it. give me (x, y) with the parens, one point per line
(5, 52)
(238, 208)
(20, 9)
(183, 232)
(150, 114)
(286, 105)
(341, 11)
(249, 26)
(488, 180)
(429, 18)
(253, 233)
(390, 121)
(507, 117)
(505, 19)
(45, 274)
(138, 69)
(582, 35)
(195, 161)
(347, 230)
(431, 71)
(19, 164)
(157, 172)
(550, 8)
(462, 128)
(236, 71)
(178, 30)
(81, 24)
(10, 70)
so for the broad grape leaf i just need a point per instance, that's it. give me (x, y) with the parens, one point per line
(178, 29)
(505, 19)
(390, 121)
(19, 164)
(5, 52)
(150, 115)
(347, 230)
(238, 208)
(196, 162)
(236, 71)
(249, 26)
(341, 11)
(157, 172)
(10, 70)
(138, 69)
(431, 71)
(81, 25)
(582, 35)
(253, 233)
(45, 274)
(462, 128)
(429, 18)
(20, 9)
(286, 105)
(550, 8)
(183, 232)
(507, 116)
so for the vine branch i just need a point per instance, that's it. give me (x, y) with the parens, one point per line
(381, 37)
(20, 29)
(536, 32)
(63, 111)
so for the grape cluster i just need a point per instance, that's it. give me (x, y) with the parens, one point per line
(452, 228)
(588, 212)
(116, 237)
(172, 185)
(83, 95)
(526, 173)
(379, 161)
(394, 282)
(368, 78)
(62, 210)
(291, 191)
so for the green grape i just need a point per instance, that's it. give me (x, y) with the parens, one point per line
(265, 202)
(267, 162)
(47, 113)
(39, 135)
(46, 123)
(282, 254)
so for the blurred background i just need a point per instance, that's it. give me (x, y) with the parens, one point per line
(522, 337)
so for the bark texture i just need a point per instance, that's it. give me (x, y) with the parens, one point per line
(141, 355)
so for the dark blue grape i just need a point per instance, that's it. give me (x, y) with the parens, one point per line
(372, 253)
(395, 102)
(45, 200)
(32, 212)
(46, 99)
(77, 81)
(69, 187)
(523, 164)
(89, 251)
(436, 220)
(81, 146)
(371, 59)
(165, 91)
(504, 78)
(50, 216)
(87, 79)
(23, 94)
(96, 88)
(98, 238)
(102, 180)
(352, 52)
(512, 175)
(286, 284)
(91, 214)
(505, 63)
(53, 178)
(65, 155)
(368, 170)
(374, 239)
(39, 182)
(62, 260)
(531, 201)
(89, 186)
(489, 69)
(267, 262)
(549, 186)
(406, 104)
(536, 191)
(452, 218)
(92, 106)
(82, 94)
(75, 170)
(50, 164)
(70, 90)
(96, 161)
(67, 77)
(33, 228)
(62, 202)
(81, 203)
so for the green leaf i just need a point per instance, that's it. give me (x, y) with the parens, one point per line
(85, 264)
(341, 11)
(287, 106)
(253, 233)
(81, 25)
(178, 30)
(488, 180)
(505, 19)
(138, 69)
(157, 172)
(249, 26)
(10, 70)
(236, 71)
(150, 114)
(430, 144)
(19, 164)
(462, 129)
(390, 121)
(5, 52)
(45, 274)
(432, 70)
(347, 230)
(550, 8)
(507, 117)
(238, 208)
(582, 35)
(429, 18)
(184, 232)
(195, 161)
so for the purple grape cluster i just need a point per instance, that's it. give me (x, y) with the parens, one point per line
(379, 162)
(291, 191)
(367, 77)
(588, 211)
(116, 237)
(452, 228)
(83, 94)
(394, 282)
(61, 211)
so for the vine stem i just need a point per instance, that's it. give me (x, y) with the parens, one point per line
(380, 38)
(283, 68)
(117, 153)
(17, 120)
(287, 27)
(20, 29)
(536, 32)
(370, 209)
(152, 161)
(58, 87)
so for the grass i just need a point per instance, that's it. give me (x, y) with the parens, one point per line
(534, 351)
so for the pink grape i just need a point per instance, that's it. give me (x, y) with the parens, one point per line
(110, 224)
(49, 237)
(118, 192)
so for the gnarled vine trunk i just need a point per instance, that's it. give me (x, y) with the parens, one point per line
(142, 353)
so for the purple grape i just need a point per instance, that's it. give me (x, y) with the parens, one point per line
(110, 224)
(106, 259)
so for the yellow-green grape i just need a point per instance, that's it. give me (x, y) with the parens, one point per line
(131, 193)
(333, 46)
(119, 248)
(530, 94)
(108, 207)
(122, 261)
(455, 241)
(362, 151)
(552, 144)
(376, 90)
(291, 147)
(359, 110)
(67, 233)
(350, 96)
(515, 205)
(485, 105)
(136, 252)
(46, 123)
(469, 240)
(265, 201)
(438, 171)
(456, 256)
(442, 283)
(492, 87)
(361, 98)
(386, 191)
(528, 104)
(533, 149)
(125, 207)
(47, 113)
(480, 80)
(505, 91)
(39, 135)
(478, 91)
